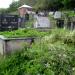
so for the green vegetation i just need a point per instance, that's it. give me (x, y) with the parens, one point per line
(23, 33)
(50, 4)
(28, 2)
(69, 13)
(53, 54)
(52, 21)
(42, 5)
(30, 22)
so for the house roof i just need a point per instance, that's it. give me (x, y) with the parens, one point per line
(25, 6)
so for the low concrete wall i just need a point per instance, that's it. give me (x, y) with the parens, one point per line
(8, 45)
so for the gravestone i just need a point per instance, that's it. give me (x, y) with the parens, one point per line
(60, 23)
(57, 15)
(71, 23)
(8, 22)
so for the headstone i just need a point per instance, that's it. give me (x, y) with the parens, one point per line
(73, 27)
(8, 22)
(69, 25)
(60, 23)
(57, 15)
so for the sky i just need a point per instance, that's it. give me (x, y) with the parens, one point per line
(5, 3)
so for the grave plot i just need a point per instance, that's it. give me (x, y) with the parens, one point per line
(11, 41)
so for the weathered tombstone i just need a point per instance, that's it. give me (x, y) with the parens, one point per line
(68, 22)
(8, 22)
(57, 15)
(60, 23)
(71, 23)
(74, 25)
(58, 18)
(9, 45)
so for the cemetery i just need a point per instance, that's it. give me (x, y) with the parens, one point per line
(37, 37)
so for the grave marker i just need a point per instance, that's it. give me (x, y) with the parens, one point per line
(8, 22)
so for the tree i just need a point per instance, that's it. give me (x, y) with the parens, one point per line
(2, 11)
(66, 3)
(13, 6)
(48, 4)
(28, 2)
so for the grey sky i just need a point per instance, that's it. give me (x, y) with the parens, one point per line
(5, 3)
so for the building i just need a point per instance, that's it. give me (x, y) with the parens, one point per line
(24, 9)
(24, 12)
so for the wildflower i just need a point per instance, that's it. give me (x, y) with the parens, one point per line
(47, 65)
(64, 55)
(59, 55)
(73, 68)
